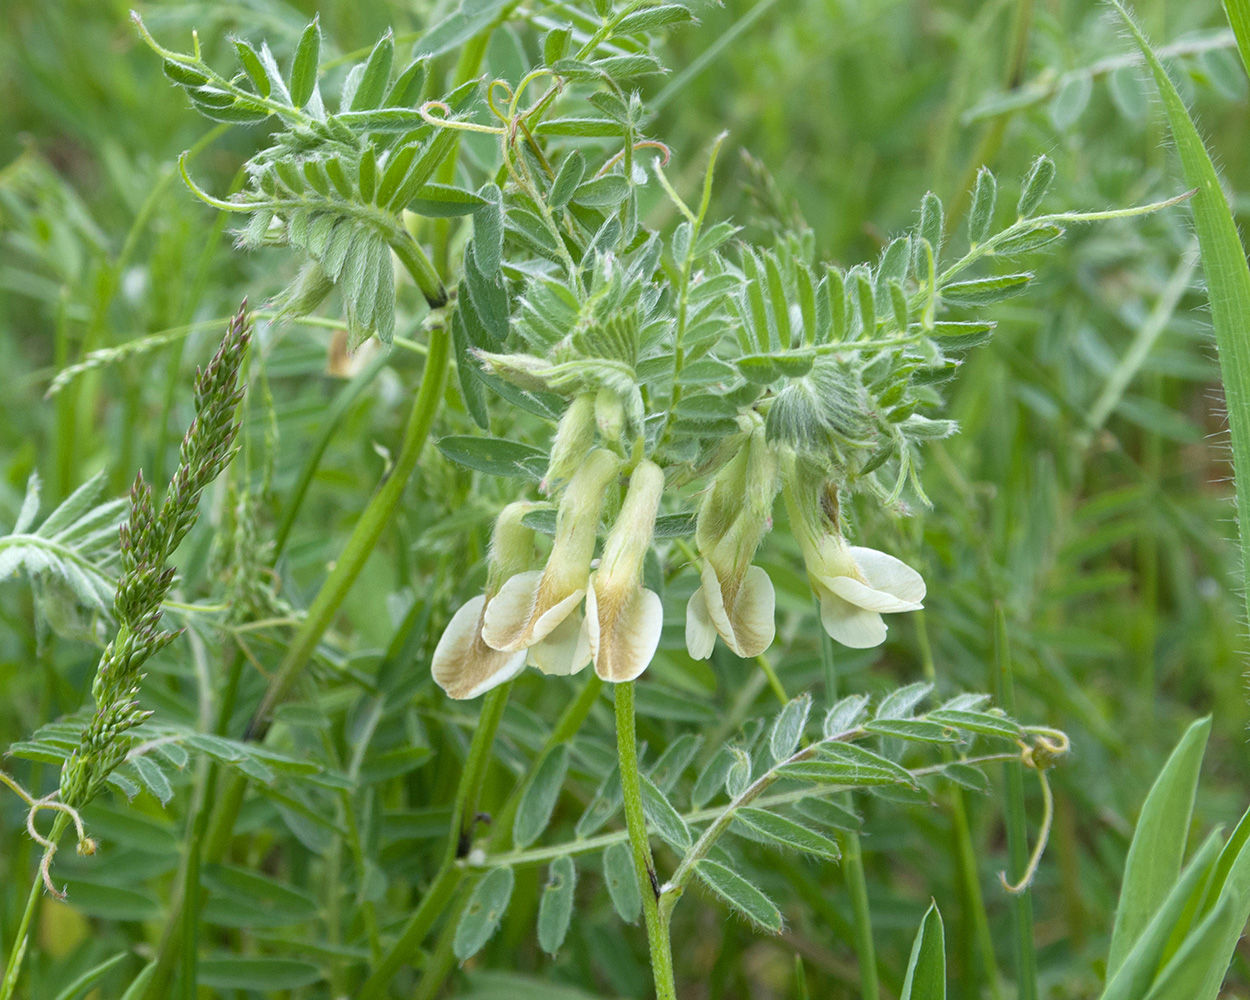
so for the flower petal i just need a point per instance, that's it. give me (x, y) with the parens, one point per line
(508, 614)
(463, 665)
(624, 639)
(700, 632)
(884, 572)
(850, 625)
(522, 613)
(753, 614)
(565, 650)
(867, 598)
(714, 600)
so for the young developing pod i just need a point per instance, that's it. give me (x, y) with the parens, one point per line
(464, 665)
(735, 599)
(855, 585)
(532, 605)
(623, 618)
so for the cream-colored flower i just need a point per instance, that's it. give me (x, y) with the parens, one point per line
(623, 618)
(855, 585)
(735, 599)
(464, 665)
(530, 606)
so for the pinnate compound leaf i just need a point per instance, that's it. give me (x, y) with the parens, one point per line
(926, 970)
(555, 909)
(481, 916)
(740, 894)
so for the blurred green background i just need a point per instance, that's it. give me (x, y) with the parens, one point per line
(1087, 494)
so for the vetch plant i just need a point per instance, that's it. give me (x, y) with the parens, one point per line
(695, 448)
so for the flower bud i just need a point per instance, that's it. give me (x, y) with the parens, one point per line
(523, 370)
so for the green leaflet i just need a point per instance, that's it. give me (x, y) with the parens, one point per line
(485, 909)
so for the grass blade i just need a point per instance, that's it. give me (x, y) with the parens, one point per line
(1223, 263)
(1154, 857)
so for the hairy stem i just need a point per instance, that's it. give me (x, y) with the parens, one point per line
(636, 822)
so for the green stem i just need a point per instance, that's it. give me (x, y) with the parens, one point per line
(463, 817)
(853, 860)
(636, 822)
(961, 831)
(1017, 833)
(367, 532)
(13, 967)
(593, 845)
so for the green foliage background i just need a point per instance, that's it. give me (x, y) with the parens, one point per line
(1106, 544)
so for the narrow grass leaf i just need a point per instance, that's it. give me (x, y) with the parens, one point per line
(1223, 263)
(1154, 857)
(926, 970)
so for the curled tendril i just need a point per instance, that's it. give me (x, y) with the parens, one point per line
(456, 123)
(1049, 747)
(641, 144)
(490, 98)
(86, 845)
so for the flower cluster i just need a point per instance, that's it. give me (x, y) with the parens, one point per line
(574, 611)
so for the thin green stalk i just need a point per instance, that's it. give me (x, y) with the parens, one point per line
(961, 832)
(13, 967)
(1017, 829)
(334, 416)
(367, 532)
(636, 823)
(459, 838)
(695, 817)
(853, 862)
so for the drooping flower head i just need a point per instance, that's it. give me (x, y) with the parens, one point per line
(623, 618)
(735, 599)
(464, 665)
(532, 605)
(855, 585)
